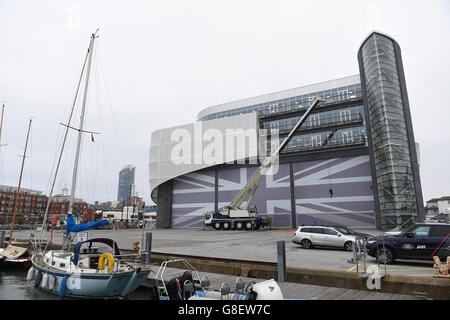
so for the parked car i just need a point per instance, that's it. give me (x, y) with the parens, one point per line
(420, 241)
(393, 232)
(347, 231)
(322, 236)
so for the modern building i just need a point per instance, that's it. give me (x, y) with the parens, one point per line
(393, 155)
(352, 163)
(126, 185)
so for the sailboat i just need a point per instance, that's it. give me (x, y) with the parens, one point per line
(15, 256)
(92, 268)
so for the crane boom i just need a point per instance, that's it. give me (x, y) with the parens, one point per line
(253, 182)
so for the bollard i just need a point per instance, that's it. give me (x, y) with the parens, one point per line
(2, 238)
(281, 257)
(148, 247)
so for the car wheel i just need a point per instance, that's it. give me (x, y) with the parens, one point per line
(385, 255)
(306, 244)
(226, 225)
(348, 246)
(217, 226)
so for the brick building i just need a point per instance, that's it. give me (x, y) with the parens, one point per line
(32, 203)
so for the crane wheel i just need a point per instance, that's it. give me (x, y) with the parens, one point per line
(217, 226)
(239, 226)
(226, 226)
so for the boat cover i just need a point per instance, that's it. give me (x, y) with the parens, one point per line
(109, 242)
(73, 227)
(14, 252)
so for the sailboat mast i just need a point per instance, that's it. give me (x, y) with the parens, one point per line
(18, 187)
(80, 130)
(1, 124)
(47, 208)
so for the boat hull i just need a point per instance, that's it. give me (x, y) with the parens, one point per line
(92, 285)
(16, 264)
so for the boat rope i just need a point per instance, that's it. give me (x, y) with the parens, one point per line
(44, 222)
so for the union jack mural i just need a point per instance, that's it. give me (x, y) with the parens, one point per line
(193, 196)
(333, 191)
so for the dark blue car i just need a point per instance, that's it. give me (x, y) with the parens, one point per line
(420, 241)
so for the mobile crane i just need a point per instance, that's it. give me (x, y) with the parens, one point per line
(236, 216)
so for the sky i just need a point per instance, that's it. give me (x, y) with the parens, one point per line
(158, 63)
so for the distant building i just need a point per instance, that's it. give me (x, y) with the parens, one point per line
(437, 206)
(95, 211)
(30, 202)
(59, 205)
(126, 184)
(33, 203)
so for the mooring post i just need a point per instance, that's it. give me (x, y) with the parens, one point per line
(148, 247)
(2, 238)
(281, 257)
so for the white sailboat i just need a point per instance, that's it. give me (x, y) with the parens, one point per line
(93, 268)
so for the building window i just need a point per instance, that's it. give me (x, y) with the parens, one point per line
(347, 136)
(344, 115)
(314, 120)
(316, 141)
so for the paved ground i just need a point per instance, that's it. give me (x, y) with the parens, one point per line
(247, 245)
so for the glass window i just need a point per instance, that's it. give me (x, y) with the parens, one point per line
(331, 232)
(318, 230)
(440, 231)
(422, 231)
(343, 230)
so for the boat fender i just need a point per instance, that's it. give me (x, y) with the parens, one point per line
(101, 261)
(63, 287)
(52, 282)
(44, 280)
(37, 280)
(30, 274)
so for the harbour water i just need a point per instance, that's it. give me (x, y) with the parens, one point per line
(14, 286)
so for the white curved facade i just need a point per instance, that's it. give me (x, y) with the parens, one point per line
(183, 149)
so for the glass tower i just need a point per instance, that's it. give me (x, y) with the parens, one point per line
(394, 165)
(126, 181)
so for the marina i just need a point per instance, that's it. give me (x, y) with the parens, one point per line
(215, 258)
(226, 159)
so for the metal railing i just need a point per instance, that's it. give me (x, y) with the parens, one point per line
(373, 273)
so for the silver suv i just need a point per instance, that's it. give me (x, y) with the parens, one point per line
(321, 236)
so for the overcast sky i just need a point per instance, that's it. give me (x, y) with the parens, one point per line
(161, 62)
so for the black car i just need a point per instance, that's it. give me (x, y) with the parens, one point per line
(420, 241)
